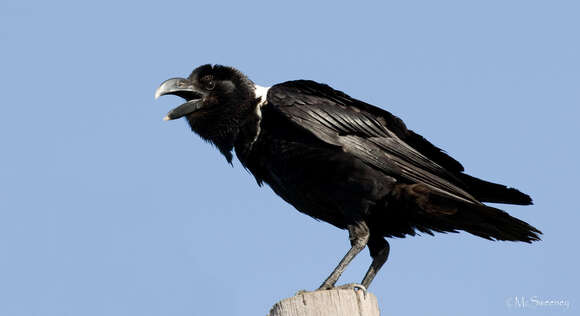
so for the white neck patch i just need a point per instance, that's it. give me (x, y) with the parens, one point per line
(262, 93)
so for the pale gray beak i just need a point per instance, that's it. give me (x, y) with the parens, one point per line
(185, 89)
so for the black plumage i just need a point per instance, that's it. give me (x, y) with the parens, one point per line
(343, 161)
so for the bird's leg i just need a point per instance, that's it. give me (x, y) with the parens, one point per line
(359, 236)
(379, 249)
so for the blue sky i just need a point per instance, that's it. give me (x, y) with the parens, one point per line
(107, 210)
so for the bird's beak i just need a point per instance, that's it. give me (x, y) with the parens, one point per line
(185, 89)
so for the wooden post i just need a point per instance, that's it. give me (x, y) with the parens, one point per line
(336, 302)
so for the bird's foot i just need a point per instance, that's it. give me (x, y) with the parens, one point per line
(300, 292)
(323, 287)
(326, 286)
(353, 286)
(349, 286)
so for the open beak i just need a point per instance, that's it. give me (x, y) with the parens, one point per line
(185, 89)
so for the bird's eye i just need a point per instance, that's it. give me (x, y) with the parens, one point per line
(209, 85)
(208, 82)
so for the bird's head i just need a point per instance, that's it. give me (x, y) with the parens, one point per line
(218, 100)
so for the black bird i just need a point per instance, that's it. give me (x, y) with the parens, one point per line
(343, 161)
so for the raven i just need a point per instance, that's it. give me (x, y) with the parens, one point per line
(343, 161)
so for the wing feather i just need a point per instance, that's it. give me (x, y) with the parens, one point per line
(369, 133)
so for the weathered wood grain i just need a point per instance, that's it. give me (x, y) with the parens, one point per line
(336, 302)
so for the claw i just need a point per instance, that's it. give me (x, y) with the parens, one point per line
(325, 287)
(354, 287)
(300, 292)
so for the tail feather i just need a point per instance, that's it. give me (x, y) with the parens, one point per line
(481, 220)
(427, 210)
(492, 223)
(492, 192)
